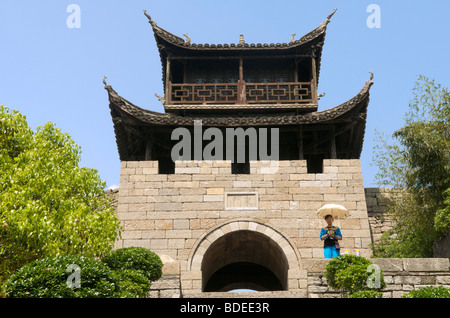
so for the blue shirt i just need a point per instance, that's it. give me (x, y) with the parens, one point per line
(329, 240)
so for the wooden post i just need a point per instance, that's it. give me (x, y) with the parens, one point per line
(295, 78)
(300, 143)
(241, 69)
(333, 144)
(185, 76)
(168, 93)
(241, 83)
(148, 149)
(314, 80)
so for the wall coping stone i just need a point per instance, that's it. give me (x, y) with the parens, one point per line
(391, 264)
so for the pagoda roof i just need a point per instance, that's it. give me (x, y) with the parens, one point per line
(128, 118)
(172, 45)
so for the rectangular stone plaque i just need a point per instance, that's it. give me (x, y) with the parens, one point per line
(241, 201)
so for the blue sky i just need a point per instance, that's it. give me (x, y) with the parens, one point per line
(51, 72)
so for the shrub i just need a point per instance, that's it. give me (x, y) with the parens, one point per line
(133, 284)
(429, 292)
(50, 278)
(136, 258)
(366, 294)
(349, 274)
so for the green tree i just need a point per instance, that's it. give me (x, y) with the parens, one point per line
(442, 217)
(48, 204)
(415, 163)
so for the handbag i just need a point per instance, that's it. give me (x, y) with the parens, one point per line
(336, 245)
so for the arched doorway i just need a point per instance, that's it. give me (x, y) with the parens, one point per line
(244, 259)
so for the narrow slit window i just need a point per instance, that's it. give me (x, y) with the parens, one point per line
(166, 166)
(240, 168)
(315, 164)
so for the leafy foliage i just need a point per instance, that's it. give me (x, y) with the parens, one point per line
(48, 278)
(48, 204)
(429, 292)
(416, 163)
(366, 294)
(128, 277)
(136, 258)
(349, 274)
(133, 284)
(442, 217)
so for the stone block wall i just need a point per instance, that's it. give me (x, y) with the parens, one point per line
(378, 200)
(400, 274)
(179, 215)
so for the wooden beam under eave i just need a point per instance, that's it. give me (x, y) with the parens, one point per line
(237, 57)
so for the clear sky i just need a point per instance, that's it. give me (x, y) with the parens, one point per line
(51, 72)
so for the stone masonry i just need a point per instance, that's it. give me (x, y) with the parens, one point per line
(400, 276)
(179, 216)
(377, 200)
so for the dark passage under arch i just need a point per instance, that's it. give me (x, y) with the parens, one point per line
(243, 275)
(244, 260)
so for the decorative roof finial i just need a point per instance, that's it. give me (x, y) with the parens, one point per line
(292, 38)
(188, 39)
(241, 39)
(153, 23)
(104, 81)
(330, 15)
(161, 99)
(371, 75)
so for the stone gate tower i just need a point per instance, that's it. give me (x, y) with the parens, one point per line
(247, 219)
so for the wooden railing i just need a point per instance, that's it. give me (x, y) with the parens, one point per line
(241, 93)
(279, 93)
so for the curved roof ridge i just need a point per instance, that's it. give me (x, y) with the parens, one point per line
(124, 104)
(176, 40)
(361, 95)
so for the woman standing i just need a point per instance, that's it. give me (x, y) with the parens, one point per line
(330, 235)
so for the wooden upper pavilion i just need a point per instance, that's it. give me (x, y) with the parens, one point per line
(242, 85)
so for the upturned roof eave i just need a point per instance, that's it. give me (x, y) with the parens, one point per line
(162, 35)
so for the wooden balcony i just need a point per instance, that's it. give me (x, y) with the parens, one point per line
(231, 95)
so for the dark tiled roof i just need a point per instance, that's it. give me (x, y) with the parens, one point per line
(162, 34)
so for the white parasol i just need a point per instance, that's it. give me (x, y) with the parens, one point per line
(335, 210)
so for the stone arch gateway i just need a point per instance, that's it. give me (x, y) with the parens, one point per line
(244, 254)
(227, 218)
